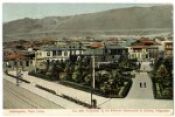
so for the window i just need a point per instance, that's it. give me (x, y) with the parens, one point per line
(133, 56)
(27, 63)
(65, 53)
(21, 63)
(74, 52)
(48, 53)
(54, 53)
(15, 63)
(59, 52)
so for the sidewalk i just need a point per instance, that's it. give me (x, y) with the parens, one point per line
(61, 89)
(145, 66)
(56, 99)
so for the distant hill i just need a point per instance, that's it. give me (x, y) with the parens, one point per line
(126, 18)
(156, 17)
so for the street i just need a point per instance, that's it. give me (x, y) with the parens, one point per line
(18, 98)
(39, 92)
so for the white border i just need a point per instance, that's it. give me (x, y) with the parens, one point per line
(69, 1)
(92, 1)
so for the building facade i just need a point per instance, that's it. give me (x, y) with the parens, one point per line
(57, 53)
(138, 52)
(144, 50)
(168, 48)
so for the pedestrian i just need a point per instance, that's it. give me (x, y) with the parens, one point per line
(140, 85)
(7, 66)
(145, 84)
(18, 76)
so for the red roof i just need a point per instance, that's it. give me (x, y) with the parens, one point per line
(143, 43)
(148, 42)
(13, 56)
(96, 45)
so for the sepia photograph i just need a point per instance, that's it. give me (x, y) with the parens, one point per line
(90, 56)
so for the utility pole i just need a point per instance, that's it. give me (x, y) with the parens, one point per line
(93, 101)
(93, 72)
(92, 78)
(35, 62)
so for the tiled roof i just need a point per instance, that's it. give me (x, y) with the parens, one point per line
(56, 48)
(96, 45)
(14, 56)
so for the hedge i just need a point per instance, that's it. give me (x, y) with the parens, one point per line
(97, 91)
(41, 76)
(18, 78)
(155, 91)
(87, 88)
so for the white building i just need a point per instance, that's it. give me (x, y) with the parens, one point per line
(54, 53)
(57, 53)
(138, 52)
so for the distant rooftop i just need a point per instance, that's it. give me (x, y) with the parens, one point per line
(57, 48)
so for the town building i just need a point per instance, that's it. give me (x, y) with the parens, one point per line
(55, 53)
(105, 52)
(144, 49)
(152, 51)
(14, 59)
(168, 48)
(138, 52)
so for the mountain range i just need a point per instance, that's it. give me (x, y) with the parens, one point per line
(132, 18)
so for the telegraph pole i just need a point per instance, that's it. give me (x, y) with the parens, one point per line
(93, 101)
(35, 62)
(93, 72)
(92, 78)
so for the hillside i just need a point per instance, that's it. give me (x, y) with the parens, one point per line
(156, 17)
(126, 18)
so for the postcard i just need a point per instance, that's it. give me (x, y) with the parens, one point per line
(87, 58)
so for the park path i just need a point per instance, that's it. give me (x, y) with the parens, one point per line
(141, 87)
(142, 84)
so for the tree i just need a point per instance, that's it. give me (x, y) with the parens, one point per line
(162, 71)
(118, 79)
(157, 63)
(77, 74)
(168, 62)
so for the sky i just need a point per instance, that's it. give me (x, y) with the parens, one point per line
(14, 11)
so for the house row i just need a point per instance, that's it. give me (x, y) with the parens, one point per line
(18, 59)
(55, 53)
(142, 50)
